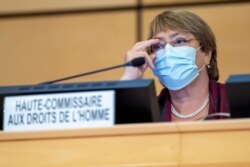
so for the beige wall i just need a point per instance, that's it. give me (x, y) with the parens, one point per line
(46, 47)
(22, 6)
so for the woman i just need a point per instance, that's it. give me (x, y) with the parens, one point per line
(181, 52)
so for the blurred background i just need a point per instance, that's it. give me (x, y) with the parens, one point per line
(43, 40)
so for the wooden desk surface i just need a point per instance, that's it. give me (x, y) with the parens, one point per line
(210, 143)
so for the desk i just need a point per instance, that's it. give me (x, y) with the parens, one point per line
(186, 144)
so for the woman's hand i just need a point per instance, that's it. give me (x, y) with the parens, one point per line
(139, 50)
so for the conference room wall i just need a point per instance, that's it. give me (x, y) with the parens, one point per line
(49, 46)
(41, 48)
(231, 25)
(31, 6)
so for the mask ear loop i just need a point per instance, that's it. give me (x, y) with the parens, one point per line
(202, 67)
(198, 47)
(204, 64)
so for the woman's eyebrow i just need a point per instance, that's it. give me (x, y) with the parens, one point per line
(174, 35)
(160, 38)
(171, 36)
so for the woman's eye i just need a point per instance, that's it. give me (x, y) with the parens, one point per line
(158, 46)
(180, 41)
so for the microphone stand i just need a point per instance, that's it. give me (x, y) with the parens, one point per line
(80, 75)
(135, 63)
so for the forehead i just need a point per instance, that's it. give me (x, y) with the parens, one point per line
(172, 34)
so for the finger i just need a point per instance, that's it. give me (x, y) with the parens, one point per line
(141, 46)
(152, 56)
(138, 43)
(134, 54)
(149, 61)
(144, 44)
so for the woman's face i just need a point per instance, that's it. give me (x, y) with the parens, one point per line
(180, 38)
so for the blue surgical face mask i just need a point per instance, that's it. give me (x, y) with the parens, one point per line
(175, 66)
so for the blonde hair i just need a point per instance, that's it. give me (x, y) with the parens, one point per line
(189, 22)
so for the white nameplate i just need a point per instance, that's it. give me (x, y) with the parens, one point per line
(59, 111)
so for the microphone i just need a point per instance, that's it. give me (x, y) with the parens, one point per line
(136, 62)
